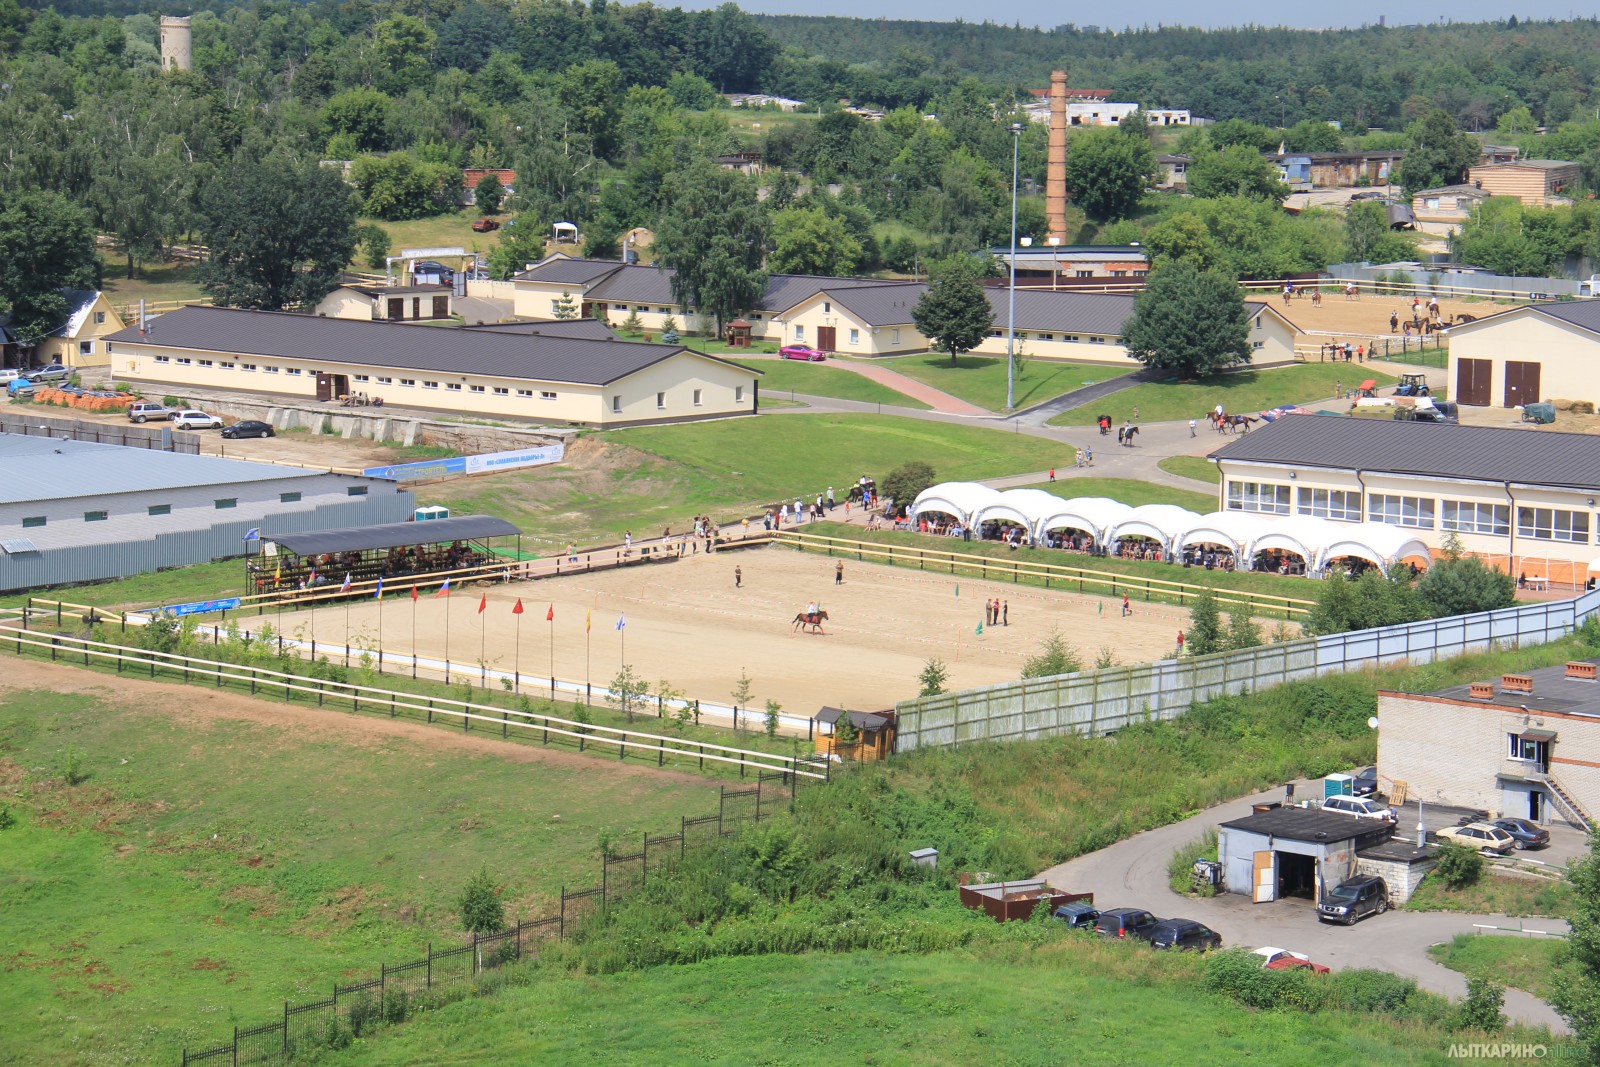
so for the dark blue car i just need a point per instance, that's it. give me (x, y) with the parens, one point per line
(1524, 833)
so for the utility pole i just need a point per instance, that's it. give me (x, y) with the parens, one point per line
(1011, 312)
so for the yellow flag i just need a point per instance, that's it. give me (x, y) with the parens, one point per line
(588, 621)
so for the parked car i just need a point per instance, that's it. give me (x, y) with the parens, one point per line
(429, 268)
(1360, 807)
(51, 372)
(1354, 899)
(485, 225)
(1184, 933)
(191, 419)
(1366, 783)
(9, 374)
(1441, 411)
(248, 428)
(1281, 959)
(1525, 833)
(1077, 915)
(145, 410)
(1483, 836)
(1126, 922)
(805, 352)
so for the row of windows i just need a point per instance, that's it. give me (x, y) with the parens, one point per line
(1413, 512)
(455, 387)
(855, 335)
(1023, 335)
(33, 522)
(661, 400)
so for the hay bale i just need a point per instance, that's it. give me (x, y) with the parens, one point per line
(1583, 407)
(1562, 405)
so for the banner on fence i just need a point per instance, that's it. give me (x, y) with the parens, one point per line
(478, 464)
(200, 607)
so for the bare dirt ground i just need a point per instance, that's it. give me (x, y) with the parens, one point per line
(187, 703)
(687, 623)
(1368, 317)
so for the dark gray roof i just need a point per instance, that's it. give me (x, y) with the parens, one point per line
(636, 284)
(1064, 311)
(1310, 824)
(784, 291)
(1400, 850)
(400, 345)
(879, 305)
(393, 535)
(1552, 691)
(1537, 164)
(569, 271)
(1466, 453)
(592, 329)
(862, 720)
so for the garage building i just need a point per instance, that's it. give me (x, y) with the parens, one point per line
(1526, 355)
(1294, 852)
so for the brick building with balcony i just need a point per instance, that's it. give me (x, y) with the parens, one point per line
(1524, 746)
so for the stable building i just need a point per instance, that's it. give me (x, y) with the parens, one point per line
(388, 303)
(77, 511)
(543, 377)
(1535, 182)
(1525, 745)
(1524, 501)
(1526, 355)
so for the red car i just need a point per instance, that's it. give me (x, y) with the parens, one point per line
(1281, 959)
(805, 352)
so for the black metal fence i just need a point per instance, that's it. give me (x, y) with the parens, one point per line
(352, 1007)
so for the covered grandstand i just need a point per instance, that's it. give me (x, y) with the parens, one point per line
(1248, 540)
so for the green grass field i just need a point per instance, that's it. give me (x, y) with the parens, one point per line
(1241, 393)
(211, 865)
(1495, 894)
(782, 377)
(157, 281)
(1538, 965)
(981, 380)
(1070, 483)
(1196, 467)
(1066, 1002)
(202, 581)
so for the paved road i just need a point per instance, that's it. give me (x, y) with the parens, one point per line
(1133, 873)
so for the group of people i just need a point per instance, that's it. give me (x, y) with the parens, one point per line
(1347, 351)
(997, 612)
(863, 494)
(1209, 558)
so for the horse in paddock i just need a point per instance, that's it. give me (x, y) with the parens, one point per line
(1241, 423)
(814, 621)
(1126, 434)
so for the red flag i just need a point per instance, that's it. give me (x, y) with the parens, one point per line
(550, 616)
(413, 592)
(518, 609)
(483, 602)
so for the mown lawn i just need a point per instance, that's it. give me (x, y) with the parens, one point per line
(155, 281)
(981, 380)
(202, 581)
(783, 377)
(442, 231)
(1243, 392)
(207, 868)
(1196, 467)
(1539, 965)
(1067, 1002)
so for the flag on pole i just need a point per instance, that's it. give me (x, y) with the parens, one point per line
(277, 575)
(588, 621)
(550, 616)
(518, 609)
(344, 587)
(413, 593)
(377, 594)
(313, 579)
(622, 620)
(483, 602)
(958, 590)
(444, 590)
(253, 534)
(980, 629)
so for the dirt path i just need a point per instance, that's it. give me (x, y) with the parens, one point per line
(198, 704)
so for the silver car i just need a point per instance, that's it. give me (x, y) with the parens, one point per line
(192, 419)
(1360, 807)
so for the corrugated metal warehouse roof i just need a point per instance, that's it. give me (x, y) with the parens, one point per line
(43, 468)
(1467, 453)
(493, 353)
(591, 329)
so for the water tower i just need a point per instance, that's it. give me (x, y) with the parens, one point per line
(177, 43)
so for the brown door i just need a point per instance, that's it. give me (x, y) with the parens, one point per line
(1472, 382)
(416, 307)
(1522, 382)
(324, 387)
(441, 307)
(397, 308)
(1264, 877)
(827, 338)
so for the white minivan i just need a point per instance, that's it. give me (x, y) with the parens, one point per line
(1360, 807)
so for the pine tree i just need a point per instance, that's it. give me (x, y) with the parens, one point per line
(566, 308)
(1205, 626)
(1242, 630)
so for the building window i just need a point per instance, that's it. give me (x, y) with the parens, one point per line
(292, 370)
(855, 337)
(1330, 504)
(452, 387)
(555, 308)
(1047, 337)
(355, 490)
(430, 385)
(207, 363)
(168, 359)
(1465, 516)
(827, 307)
(225, 365)
(529, 392)
(1255, 345)
(160, 509)
(288, 498)
(1258, 496)
(227, 502)
(184, 361)
(738, 393)
(616, 404)
(33, 522)
(697, 398)
(1524, 748)
(382, 380)
(247, 367)
(474, 388)
(362, 378)
(661, 401)
(799, 331)
(1413, 511)
(408, 382)
(85, 348)
(1096, 340)
(547, 395)
(265, 370)
(1552, 524)
(501, 390)
(94, 516)
(1258, 322)
(1069, 337)
(99, 318)
(663, 311)
(1086, 274)
(894, 337)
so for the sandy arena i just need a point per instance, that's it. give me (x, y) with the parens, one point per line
(687, 623)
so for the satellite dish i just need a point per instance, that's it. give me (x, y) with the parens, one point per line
(1372, 723)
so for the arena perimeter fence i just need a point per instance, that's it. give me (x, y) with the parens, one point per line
(401, 989)
(1099, 702)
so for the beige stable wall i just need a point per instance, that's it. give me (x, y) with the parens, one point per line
(1569, 357)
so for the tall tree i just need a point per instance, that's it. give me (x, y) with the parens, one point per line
(489, 193)
(1578, 997)
(1439, 153)
(808, 241)
(954, 314)
(712, 234)
(46, 245)
(279, 233)
(1237, 170)
(1107, 173)
(1189, 321)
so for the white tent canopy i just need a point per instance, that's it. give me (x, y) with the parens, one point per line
(1160, 522)
(1025, 507)
(962, 500)
(1092, 514)
(1237, 530)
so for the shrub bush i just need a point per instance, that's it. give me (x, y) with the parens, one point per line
(1481, 1009)
(1369, 991)
(1459, 866)
(1237, 973)
(1180, 868)
(364, 1013)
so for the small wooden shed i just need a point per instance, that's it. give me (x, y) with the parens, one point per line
(738, 334)
(874, 729)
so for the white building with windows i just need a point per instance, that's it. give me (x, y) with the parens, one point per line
(1522, 500)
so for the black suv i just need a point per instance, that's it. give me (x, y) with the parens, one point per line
(1353, 900)
(1126, 922)
(1077, 915)
(1184, 933)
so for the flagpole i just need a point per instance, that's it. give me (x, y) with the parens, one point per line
(447, 600)
(588, 640)
(516, 657)
(380, 625)
(483, 642)
(552, 623)
(413, 631)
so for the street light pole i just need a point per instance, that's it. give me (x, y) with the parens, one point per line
(1011, 311)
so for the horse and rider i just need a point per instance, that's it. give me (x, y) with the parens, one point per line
(812, 617)
(1224, 423)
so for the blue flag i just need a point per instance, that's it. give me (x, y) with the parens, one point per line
(377, 594)
(253, 534)
(622, 620)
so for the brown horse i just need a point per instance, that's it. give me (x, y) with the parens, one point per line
(813, 621)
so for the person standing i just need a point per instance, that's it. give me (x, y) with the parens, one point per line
(1127, 609)
(1005, 613)
(1052, 474)
(838, 573)
(830, 498)
(1180, 642)
(738, 582)
(1193, 423)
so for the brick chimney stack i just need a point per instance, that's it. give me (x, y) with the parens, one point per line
(1055, 184)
